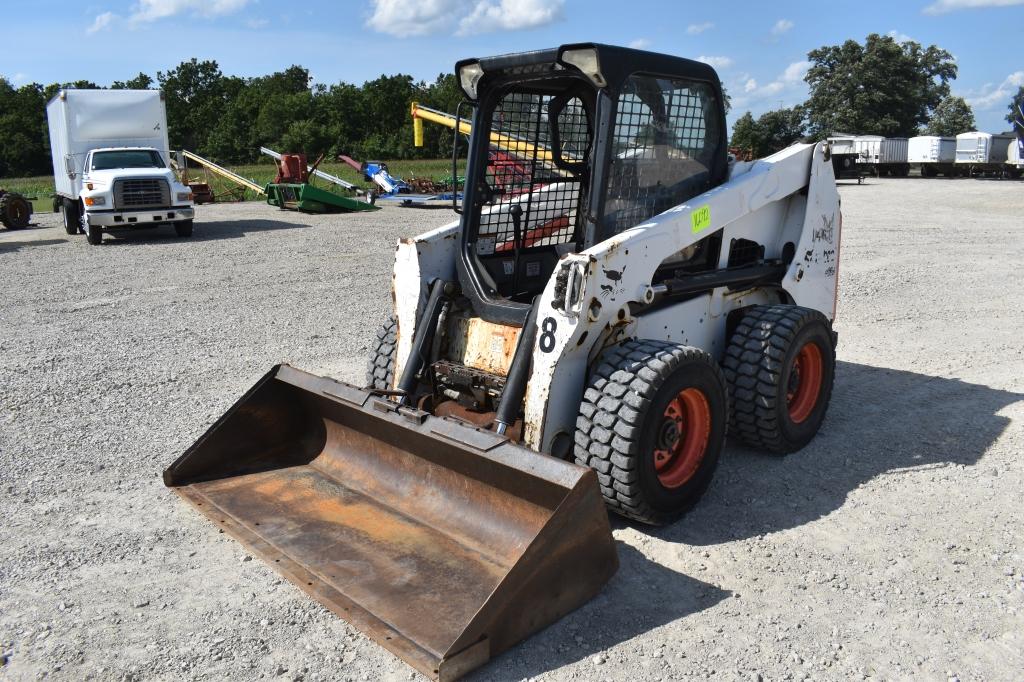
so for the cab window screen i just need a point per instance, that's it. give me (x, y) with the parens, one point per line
(525, 184)
(664, 142)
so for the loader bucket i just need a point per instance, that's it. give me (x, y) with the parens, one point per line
(444, 543)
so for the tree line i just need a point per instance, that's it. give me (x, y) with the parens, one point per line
(882, 87)
(228, 118)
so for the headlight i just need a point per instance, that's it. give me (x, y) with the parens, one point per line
(469, 77)
(184, 196)
(95, 201)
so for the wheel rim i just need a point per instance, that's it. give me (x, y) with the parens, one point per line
(805, 382)
(682, 437)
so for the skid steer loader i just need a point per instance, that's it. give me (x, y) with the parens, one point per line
(580, 338)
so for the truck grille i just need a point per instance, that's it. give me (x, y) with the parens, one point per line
(141, 194)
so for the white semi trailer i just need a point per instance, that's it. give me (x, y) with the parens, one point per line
(110, 167)
(883, 155)
(980, 153)
(932, 155)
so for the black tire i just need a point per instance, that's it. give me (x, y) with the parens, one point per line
(183, 228)
(380, 372)
(774, 406)
(623, 419)
(72, 219)
(93, 234)
(14, 211)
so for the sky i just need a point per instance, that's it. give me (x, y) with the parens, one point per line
(759, 48)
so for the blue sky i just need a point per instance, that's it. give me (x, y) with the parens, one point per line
(759, 48)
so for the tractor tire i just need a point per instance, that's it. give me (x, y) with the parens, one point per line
(72, 219)
(183, 228)
(380, 374)
(652, 424)
(780, 365)
(14, 211)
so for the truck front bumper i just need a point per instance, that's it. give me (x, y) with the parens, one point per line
(147, 218)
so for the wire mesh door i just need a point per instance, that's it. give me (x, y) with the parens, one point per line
(535, 200)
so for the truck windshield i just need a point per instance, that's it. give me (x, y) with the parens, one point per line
(127, 158)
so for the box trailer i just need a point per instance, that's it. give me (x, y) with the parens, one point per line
(932, 155)
(983, 153)
(883, 155)
(845, 159)
(1015, 158)
(109, 150)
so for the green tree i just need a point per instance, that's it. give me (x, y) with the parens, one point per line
(882, 87)
(952, 117)
(745, 135)
(772, 131)
(140, 82)
(1016, 107)
(194, 95)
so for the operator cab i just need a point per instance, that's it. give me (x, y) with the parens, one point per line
(571, 146)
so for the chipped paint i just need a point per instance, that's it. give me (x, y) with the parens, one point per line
(482, 345)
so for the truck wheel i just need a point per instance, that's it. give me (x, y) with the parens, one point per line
(14, 211)
(183, 228)
(780, 365)
(651, 424)
(93, 233)
(380, 374)
(72, 219)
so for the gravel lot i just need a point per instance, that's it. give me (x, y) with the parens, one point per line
(889, 548)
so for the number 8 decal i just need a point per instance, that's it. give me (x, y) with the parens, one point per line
(547, 337)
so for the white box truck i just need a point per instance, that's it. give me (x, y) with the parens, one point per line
(932, 155)
(110, 167)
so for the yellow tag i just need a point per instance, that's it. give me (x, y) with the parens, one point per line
(700, 218)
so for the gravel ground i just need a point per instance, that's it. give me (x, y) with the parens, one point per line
(889, 548)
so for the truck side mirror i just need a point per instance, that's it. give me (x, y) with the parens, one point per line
(69, 165)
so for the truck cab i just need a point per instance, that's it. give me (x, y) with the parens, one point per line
(131, 187)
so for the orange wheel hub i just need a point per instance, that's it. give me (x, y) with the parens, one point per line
(805, 381)
(682, 437)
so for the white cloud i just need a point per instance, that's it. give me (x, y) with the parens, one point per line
(795, 72)
(785, 86)
(900, 37)
(510, 15)
(257, 23)
(781, 26)
(994, 96)
(640, 44)
(101, 22)
(403, 19)
(717, 62)
(943, 6)
(695, 29)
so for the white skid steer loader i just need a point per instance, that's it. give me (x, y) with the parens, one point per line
(613, 296)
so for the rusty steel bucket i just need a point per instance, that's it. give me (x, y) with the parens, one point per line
(444, 543)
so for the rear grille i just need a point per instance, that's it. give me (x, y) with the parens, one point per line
(141, 193)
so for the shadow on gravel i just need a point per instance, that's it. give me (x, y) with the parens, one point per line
(879, 422)
(642, 596)
(204, 232)
(15, 246)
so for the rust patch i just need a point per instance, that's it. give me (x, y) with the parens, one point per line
(483, 345)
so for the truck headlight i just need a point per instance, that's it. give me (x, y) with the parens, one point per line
(95, 201)
(184, 196)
